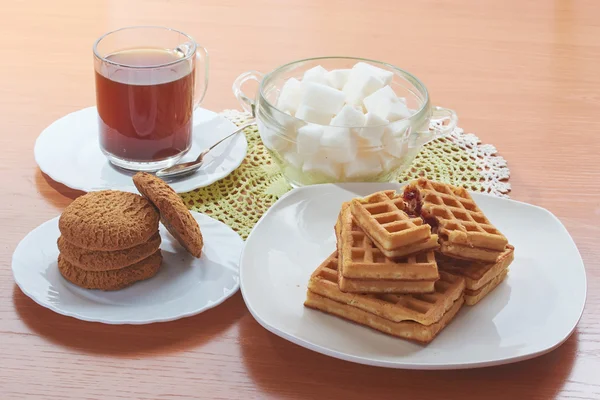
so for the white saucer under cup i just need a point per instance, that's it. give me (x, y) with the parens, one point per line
(68, 151)
(184, 285)
(532, 312)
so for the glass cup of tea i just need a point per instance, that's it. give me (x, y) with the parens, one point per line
(149, 80)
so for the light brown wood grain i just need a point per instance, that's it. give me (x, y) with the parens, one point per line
(523, 75)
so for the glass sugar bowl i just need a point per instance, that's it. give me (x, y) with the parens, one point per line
(342, 119)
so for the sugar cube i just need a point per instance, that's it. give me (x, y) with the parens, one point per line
(340, 145)
(394, 145)
(361, 83)
(293, 158)
(285, 123)
(309, 139)
(337, 78)
(388, 161)
(373, 130)
(385, 75)
(398, 110)
(310, 114)
(323, 98)
(348, 117)
(316, 74)
(369, 142)
(380, 102)
(321, 163)
(290, 95)
(272, 140)
(399, 129)
(366, 164)
(359, 107)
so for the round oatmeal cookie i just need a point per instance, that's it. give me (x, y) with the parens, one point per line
(173, 213)
(110, 280)
(108, 220)
(96, 260)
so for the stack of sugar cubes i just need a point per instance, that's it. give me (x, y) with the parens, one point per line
(349, 132)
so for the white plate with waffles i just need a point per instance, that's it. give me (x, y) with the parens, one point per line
(68, 151)
(533, 311)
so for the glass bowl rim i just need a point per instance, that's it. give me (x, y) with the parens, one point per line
(410, 77)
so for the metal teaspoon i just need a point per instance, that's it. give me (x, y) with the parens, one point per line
(191, 166)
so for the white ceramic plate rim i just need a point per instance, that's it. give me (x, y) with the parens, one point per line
(205, 116)
(58, 310)
(398, 364)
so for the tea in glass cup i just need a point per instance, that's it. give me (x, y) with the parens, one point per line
(148, 82)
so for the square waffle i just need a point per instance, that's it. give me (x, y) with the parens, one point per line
(406, 330)
(383, 217)
(415, 317)
(361, 259)
(473, 297)
(464, 231)
(476, 274)
(396, 286)
(422, 308)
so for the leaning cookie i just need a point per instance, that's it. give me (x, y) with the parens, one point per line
(173, 213)
(95, 260)
(108, 220)
(111, 280)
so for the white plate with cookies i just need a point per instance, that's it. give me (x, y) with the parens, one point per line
(107, 259)
(533, 310)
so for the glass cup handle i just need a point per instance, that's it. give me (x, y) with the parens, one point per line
(247, 103)
(441, 124)
(201, 77)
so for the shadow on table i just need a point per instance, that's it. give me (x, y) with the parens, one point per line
(124, 340)
(41, 179)
(287, 370)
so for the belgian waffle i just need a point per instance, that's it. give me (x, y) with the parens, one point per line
(476, 274)
(361, 259)
(383, 217)
(416, 248)
(464, 231)
(472, 297)
(415, 317)
(406, 329)
(424, 309)
(352, 285)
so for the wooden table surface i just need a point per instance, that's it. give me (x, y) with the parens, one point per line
(523, 75)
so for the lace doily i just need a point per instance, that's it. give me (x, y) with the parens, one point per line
(240, 199)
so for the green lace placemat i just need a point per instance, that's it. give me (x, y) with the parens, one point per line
(240, 199)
